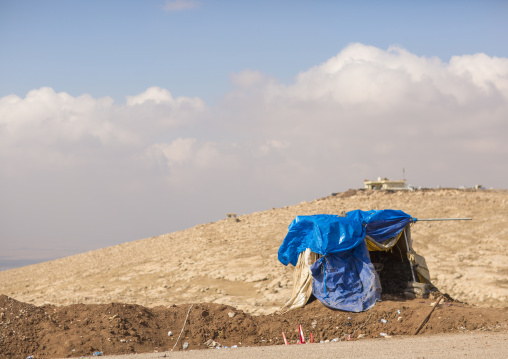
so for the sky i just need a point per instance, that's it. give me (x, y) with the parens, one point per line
(122, 120)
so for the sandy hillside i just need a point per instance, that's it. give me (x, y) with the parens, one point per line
(235, 262)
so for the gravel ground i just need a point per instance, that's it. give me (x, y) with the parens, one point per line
(470, 345)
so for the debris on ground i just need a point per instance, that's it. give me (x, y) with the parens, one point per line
(78, 330)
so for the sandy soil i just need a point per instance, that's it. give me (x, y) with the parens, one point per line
(231, 266)
(235, 262)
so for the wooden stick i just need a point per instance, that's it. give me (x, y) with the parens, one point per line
(428, 315)
(185, 322)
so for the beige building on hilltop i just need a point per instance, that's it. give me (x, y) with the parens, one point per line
(384, 183)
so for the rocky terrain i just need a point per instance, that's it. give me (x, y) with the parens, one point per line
(126, 298)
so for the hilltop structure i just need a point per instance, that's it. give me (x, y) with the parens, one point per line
(385, 183)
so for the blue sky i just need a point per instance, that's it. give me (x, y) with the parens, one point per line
(121, 120)
(119, 48)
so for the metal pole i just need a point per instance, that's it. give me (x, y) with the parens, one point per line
(444, 219)
(407, 248)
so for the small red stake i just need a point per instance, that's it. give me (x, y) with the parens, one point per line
(285, 340)
(302, 338)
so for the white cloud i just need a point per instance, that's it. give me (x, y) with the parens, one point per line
(186, 163)
(164, 109)
(179, 5)
(160, 96)
(488, 73)
(361, 104)
(367, 75)
(48, 116)
(177, 152)
(159, 161)
(49, 128)
(248, 79)
(380, 110)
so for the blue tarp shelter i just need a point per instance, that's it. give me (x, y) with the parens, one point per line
(343, 277)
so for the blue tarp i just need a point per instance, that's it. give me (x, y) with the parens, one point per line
(322, 233)
(344, 278)
(382, 224)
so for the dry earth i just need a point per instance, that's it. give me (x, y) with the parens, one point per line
(235, 262)
(81, 330)
(231, 266)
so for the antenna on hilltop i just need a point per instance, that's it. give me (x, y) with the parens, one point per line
(403, 173)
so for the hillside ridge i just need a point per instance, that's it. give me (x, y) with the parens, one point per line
(234, 261)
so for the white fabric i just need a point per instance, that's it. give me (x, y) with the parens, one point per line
(302, 281)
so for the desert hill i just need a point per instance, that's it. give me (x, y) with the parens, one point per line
(234, 262)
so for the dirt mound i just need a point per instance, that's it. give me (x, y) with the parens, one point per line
(80, 330)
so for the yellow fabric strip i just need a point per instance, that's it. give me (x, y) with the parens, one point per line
(372, 245)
